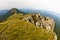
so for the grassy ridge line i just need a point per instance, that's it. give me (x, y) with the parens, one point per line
(23, 30)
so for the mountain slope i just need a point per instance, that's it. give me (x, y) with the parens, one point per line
(13, 27)
(22, 30)
(9, 13)
(47, 13)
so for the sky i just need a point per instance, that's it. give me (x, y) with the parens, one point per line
(51, 5)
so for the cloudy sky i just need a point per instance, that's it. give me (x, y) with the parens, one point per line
(52, 5)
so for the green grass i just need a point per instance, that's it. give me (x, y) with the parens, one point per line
(16, 29)
(16, 16)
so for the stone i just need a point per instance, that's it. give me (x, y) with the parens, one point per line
(41, 21)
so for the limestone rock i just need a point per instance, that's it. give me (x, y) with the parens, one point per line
(44, 22)
(41, 21)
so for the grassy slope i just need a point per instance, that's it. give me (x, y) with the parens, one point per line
(16, 29)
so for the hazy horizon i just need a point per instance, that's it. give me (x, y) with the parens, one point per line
(50, 5)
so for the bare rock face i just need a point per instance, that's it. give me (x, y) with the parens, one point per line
(41, 21)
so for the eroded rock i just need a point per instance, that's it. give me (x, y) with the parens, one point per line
(41, 21)
(38, 20)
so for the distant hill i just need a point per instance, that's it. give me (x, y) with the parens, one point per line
(9, 13)
(3, 11)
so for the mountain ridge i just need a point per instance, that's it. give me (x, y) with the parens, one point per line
(15, 15)
(13, 27)
(9, 13)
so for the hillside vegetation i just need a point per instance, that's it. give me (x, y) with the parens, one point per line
(21, 30)
(14, 28)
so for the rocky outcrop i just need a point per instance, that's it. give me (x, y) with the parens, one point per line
(41, 21)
